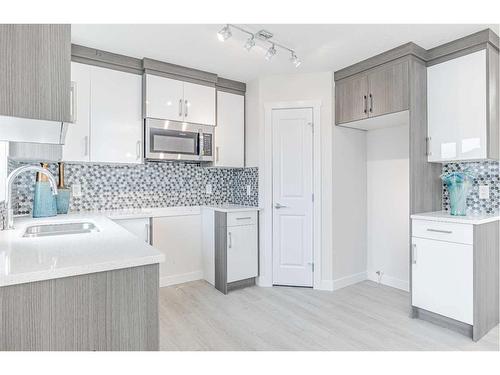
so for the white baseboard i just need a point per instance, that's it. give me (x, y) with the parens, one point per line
(181, 278)
(325, 285)
(390, 281)
(348, 280)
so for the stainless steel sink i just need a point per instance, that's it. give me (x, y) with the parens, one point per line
(43, 230)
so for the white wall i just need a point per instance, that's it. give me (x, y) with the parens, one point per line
(388, 205)
(294, 87)
(349, 206)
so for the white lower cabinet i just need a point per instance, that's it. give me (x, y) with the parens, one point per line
(230, 248)
(241, 252)
(139, 227)
(442, 275)
(454, 273)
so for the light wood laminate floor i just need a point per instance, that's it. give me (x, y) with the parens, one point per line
(365, 316)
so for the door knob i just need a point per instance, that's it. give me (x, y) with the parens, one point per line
(278, 206)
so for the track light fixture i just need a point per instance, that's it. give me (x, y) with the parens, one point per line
(224, 33)
(262, 35)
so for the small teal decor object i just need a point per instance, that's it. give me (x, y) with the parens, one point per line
(44, 203)
(459, 184)
(62, 200)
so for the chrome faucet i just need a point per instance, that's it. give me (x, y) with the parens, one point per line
(9, 217)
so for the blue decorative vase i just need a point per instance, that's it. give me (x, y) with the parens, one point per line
(62, 200)
(458, 184)
(44, 203)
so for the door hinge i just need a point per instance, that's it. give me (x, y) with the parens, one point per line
(312, 266)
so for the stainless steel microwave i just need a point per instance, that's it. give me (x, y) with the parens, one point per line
(172, 140)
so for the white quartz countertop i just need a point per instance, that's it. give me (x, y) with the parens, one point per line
(137, 213)
(24, 259)
(447, 217)
(232, 208)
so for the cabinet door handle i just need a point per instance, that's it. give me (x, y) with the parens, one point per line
(230, 237)
(217, 153)
(147, 233)
(439, 231)
(186, 105)
(428, 146)
(138, 150)
(371, 103)
(180, 107)
(86, 145)
(365, 105)
(414, 253)
(73, 102)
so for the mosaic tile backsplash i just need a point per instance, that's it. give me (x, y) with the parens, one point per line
(107, 186)
(486, 173)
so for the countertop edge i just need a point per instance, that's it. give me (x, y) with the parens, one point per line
(34, 277)
(457, 219)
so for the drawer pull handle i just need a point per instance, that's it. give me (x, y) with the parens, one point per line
(243, 218)
(439, 231)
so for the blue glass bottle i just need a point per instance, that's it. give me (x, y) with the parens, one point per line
(44, 203)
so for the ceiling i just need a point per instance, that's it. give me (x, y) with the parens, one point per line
(320, 47)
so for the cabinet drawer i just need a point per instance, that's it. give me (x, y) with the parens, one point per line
(436, 230)
(241, 218)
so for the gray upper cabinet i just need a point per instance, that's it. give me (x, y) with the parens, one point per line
(351, 99)
(376, 92)
(388, 89)
(35, 71)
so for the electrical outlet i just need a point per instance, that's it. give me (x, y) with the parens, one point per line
(249, 190)
(76, 190)
(208, 189)
(484, 192)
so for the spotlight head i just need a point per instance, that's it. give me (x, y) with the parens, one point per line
(295, 60)
(270, 53)
(224, 33)
(250, 43)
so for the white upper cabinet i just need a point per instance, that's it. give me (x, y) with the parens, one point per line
(76, 146)
(164, 98)
(108, 123)
(170, 99)
(458, 118)
(230, 131)
(199, 104)
(116, 113)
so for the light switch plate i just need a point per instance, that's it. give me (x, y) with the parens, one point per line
(484, 192)
(249, 190)
(208, 189)
(76, 190)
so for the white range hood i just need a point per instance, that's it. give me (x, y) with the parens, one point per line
(18, 129)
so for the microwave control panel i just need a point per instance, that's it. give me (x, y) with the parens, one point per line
(207, 145)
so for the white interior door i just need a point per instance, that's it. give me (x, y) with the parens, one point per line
(293, 197)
